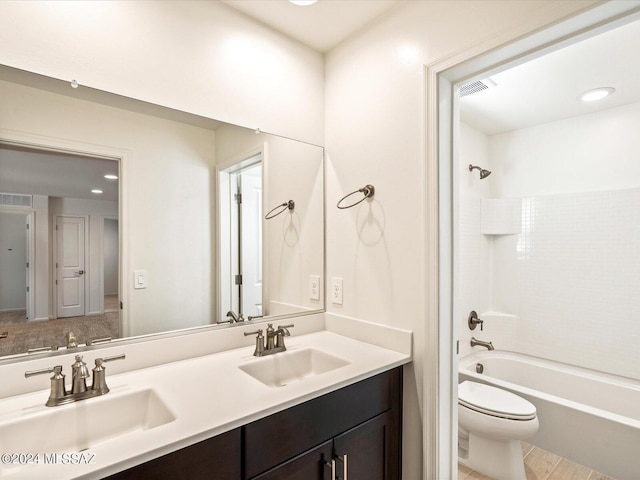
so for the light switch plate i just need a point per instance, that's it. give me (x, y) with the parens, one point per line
(139, 279)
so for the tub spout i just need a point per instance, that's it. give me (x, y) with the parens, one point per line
(487, 345)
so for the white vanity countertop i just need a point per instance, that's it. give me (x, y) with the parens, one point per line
(208, 395)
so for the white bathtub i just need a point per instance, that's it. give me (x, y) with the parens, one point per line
(586, 416)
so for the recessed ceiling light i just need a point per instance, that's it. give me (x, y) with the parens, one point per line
(96, 190)
(111, 177)
(597, 94)
(303, 3)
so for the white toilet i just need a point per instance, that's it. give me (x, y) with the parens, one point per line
(491, 423)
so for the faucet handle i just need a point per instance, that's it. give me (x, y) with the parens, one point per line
(259, 342)
(473, 321)
(99, 382)
(281, 332)
(57, 372)
(58, 390)
(97, 340)
(285, 327)
(52, 348)
(122, 356)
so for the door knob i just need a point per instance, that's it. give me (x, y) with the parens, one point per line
(80, 272)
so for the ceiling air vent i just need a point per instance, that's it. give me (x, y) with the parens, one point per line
(475, 87)
(16, 200)
(471, 88)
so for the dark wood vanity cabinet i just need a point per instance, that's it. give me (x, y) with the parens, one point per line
(362, 421)
(217, 458)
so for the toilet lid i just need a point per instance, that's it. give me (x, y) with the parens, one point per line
(494, 401)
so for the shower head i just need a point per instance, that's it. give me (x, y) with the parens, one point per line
(483, 173)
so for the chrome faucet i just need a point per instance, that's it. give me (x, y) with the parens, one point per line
(232, 317)
(274, 341)
(79, 374)
(71, 340)
(487, 345)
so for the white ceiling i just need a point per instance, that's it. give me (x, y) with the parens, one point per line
(56, 175)
(322, 25)
(547, 88)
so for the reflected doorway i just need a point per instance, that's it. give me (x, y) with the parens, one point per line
(240, 187)
(62, 200)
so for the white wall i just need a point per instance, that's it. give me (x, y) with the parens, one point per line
(13, 255)
(590, 152)
(569, 277)
(168, 209)
(375, 134)
(200, 57)
(111, 257)
(96, 210)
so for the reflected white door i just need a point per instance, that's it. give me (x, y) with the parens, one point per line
(251, 243)
(71, 266)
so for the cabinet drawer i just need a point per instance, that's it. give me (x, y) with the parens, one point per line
(217, 458)
(310, 465)
(281, 436)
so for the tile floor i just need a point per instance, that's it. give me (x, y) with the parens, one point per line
(542, 465)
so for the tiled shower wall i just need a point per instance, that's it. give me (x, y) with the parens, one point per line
(566, 286)
(572, 279)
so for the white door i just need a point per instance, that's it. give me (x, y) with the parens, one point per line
(251, 242)
(70, 266)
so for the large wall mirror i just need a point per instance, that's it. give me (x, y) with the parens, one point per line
(121, 219)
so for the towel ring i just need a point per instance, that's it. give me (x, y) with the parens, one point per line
(290, 205)
(368, 190)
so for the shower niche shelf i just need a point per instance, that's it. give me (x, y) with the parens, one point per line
(500, 216)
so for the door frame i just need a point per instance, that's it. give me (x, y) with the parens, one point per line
(238, 159)
(533, 38)
(101, 253)
(30, 215)
(54, 260)
(31, 275)
(124, 159)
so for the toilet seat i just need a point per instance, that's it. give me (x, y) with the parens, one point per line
(494, 401)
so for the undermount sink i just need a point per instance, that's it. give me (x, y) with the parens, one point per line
(82, 425)
(284, 368)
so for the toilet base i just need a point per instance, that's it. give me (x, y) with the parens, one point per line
(500, 459)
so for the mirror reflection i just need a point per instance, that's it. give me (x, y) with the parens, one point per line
(165, 246)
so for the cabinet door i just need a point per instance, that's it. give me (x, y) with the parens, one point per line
(218, 458)
(277, 438)
(307, 466)
(371, 449)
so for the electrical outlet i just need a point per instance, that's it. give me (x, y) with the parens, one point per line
(336, 291)
(314, 287)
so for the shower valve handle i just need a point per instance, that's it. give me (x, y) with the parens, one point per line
(473, 321)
